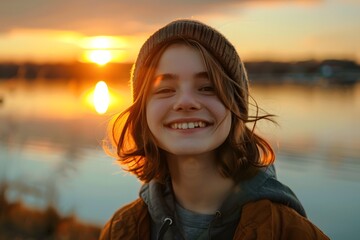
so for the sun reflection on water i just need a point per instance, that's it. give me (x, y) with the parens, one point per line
(101, 98)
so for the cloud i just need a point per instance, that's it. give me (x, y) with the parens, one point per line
(109, 16)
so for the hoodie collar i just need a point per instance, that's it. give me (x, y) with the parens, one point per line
(264, 185)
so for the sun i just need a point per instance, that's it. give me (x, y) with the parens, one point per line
(100, 57)
(103, 49)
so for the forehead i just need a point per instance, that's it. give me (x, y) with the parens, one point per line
(180, 58)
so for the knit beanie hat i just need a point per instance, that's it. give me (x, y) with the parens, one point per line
(212, 40)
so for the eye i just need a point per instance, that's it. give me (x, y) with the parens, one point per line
(163, 92)
(209, 89)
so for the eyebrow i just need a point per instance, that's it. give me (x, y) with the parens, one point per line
(165, 76)
(202, 75)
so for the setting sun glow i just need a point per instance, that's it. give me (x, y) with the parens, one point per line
(103, 49)
(101, 97)
(100, 57)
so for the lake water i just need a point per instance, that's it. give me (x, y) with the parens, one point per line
(50, 149)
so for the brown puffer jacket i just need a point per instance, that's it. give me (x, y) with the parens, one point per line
(261, 219)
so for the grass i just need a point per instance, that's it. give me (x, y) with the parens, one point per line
(18, 221)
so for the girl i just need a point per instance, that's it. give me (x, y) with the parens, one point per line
(206, 174)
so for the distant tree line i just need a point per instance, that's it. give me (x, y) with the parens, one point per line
(64, 71)
(342, 71)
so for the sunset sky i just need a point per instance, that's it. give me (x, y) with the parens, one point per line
(113, 30)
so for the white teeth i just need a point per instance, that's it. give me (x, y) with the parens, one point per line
(187, 125)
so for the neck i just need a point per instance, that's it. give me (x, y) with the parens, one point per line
(197, 183)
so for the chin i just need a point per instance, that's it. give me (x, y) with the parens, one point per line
(188, 151)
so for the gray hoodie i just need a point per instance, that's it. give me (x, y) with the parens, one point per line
(264, 185)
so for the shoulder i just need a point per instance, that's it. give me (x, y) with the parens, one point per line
(124, 224)
(275, 221)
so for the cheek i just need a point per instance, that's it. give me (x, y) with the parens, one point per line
(149, 116)
(153, 115)
(227, 122)
(225, 119)
(154, 120)
(220, 111)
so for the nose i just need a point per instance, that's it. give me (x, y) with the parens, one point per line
(186, 101)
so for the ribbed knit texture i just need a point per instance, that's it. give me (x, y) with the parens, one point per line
(207, 36)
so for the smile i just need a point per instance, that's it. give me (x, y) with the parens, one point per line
(188, 125)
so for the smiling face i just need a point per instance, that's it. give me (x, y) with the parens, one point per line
(183, 111)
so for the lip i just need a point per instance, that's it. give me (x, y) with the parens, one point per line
(193, 123)
(185, 120)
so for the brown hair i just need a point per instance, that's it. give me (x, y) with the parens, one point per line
(242, 151)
